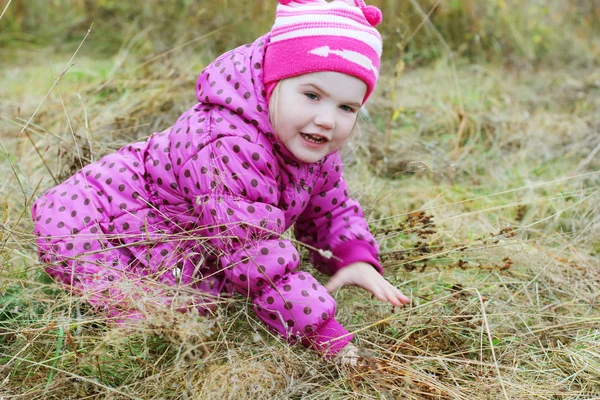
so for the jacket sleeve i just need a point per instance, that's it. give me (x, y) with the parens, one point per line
(233, 189)
(333, 222)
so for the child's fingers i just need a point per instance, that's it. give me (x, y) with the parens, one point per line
(404, 299)
(378, 292)
(400, 296)
(384, 291)
(392, 296)
(379, 295)
(380, 289)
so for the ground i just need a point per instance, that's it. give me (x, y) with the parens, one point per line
(481, 183)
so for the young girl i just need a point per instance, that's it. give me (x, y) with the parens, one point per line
(203, 205)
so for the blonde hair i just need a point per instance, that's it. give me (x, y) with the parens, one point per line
(274, 107)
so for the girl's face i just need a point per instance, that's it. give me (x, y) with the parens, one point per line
(315, 113)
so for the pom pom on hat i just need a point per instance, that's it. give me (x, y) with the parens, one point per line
(373, 15)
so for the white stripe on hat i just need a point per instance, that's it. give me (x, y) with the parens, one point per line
(282, 21)
(321, 5)
(295, 7)
(322, 25)
(367, 38)
(338, 13)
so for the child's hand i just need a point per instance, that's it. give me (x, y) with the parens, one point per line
(364, 275)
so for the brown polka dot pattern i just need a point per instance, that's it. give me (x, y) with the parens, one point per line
(218, 173)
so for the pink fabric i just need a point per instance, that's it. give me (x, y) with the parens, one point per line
(279, 54)
(347, 253)
(270, 87)
(327, 339)
(316, 35)
(201, 206)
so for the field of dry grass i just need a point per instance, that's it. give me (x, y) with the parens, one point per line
(481, 182)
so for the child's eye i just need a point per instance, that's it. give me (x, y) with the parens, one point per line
(347, 108)
(311, 95)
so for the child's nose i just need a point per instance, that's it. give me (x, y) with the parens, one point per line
(325, 119)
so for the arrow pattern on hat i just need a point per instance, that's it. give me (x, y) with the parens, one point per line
(348, 55)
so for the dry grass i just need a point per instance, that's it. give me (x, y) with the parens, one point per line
(481, 183)
(504, 31)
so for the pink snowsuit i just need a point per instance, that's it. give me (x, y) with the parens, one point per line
(221, 174)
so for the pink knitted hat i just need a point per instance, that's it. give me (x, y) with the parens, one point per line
(316, 35)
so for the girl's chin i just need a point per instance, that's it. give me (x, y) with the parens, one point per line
(310, 157)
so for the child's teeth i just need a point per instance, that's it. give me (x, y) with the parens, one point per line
(314, 139)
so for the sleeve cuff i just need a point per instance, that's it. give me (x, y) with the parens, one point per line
(355, 251)
(330, 338)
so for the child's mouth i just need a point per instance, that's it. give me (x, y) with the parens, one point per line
(313, 138)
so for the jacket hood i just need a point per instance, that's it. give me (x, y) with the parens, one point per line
(234, 81)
